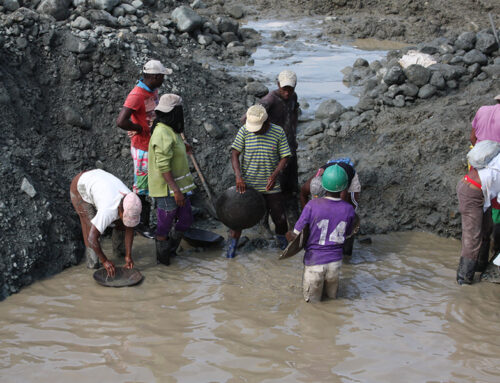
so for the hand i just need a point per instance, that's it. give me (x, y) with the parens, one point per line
(110, 268)
(271, 181)
(129, 263)
(240, 185)
(132, 133)
(179, 198)
(189, 148)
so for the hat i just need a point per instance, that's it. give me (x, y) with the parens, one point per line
(497, 97)
(256, 116)
(155, 67)
(287, 78)
(168, 102)
(131, 210)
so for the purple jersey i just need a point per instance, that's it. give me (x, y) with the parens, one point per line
(330, 220)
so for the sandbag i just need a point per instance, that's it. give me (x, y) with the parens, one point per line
(240, 211)
(482, 153)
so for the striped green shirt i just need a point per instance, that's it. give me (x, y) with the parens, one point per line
(261, 155)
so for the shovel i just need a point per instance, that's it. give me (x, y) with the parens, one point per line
(210, 202)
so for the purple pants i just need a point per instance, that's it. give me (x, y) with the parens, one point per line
(169, 213)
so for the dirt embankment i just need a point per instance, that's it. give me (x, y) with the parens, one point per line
(66, 67)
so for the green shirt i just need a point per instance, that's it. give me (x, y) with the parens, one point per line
(262, 153)
(167, 152)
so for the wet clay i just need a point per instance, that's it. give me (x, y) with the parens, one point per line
(399, 313)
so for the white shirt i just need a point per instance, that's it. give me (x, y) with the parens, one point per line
(104, 191)
(490, 181)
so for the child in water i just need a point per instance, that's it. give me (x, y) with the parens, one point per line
(330, 221)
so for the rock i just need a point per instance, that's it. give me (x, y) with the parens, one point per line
(365, 103)
(399, 101)
(394, 75)
(466, 41)
(427, 91)
(28, 188)
(474, 69)
(213, 130)
(4, 96)
(186, 19)
(107, 5)
(474, 56)
(229, 37)
(409, 89)
(81, 23)
(77, 45)
(360, 63)
(225, 24)
(137, 4)
(198, 4)
(72, 117)
(329, 109)
(437, 80)
(314, 127)
(11, 5)
(486, 43)
(452, 84)
(256, 89)
(235, 11)
(102, 17)
(59, 9)
(492, 71)
(204, 39)
(236, 50)
(21, 43)
(417, 74)
(449, 72)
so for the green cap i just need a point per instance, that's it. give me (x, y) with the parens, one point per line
(334, 179)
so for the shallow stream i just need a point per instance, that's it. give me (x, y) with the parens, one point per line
(400, 316)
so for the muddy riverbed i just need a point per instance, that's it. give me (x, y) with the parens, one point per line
(399, 317)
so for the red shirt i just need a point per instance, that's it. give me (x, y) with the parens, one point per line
(143, 104)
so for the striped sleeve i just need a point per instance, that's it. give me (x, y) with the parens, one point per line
(239, 141)
(284, 148)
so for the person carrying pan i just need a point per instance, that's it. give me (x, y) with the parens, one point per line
(330, 220)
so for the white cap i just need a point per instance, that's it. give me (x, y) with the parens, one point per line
(256, 116)
(168, 102)
(497, 97)
(155, 67)
(287, 78)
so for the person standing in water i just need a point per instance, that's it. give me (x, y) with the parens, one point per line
(169, 176)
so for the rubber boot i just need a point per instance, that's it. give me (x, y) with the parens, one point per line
(118, 241)
(163, 252)
(281, 241)
(175, 240)
(231, 248)
(143, 226)
(465, 271)
(483, 256)
(348, 245)
(92, 258)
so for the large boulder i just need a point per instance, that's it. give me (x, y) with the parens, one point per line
(186, 19)
(59, 9)
(474, 56)
(417, 74)
(225, 24)
(256, 89)
(486, 43)
(394, 75)
(329, 109)
(449, 72)
(426, 91)
(466, 41)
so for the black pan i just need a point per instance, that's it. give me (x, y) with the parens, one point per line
(123, 277)
(202, 238)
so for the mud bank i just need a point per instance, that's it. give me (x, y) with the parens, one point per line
(66, 67)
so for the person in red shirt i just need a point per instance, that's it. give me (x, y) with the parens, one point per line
(136, 117)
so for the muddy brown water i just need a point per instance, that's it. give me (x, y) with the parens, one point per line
(400, 316)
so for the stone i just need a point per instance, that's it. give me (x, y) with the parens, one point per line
(466, 41)
(474, 56)
(228, 37)
(360, 63)
(213, 130)
(186, 19)
(4, 96)
(492, 71)
(74, 118)
(452, 84)
(235, 11)
(474, 69)
(437, 80)
(256, 89)
(198, 4)
(486, 43)
(59, 9)
(399, 101)
(236, 50)
(137, 4)
(204, 39)
(225, 24)
(107, 5)
(11, 5)
(81, 23)
(329, 109)
(408, 89)
(28, 188)
(427, 91)
(102, 17)
(417, 74)
(77, 45)
(314, 127)
(394, 75)
(449, 72)
(21, 43)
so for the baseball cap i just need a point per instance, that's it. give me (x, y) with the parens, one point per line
(256, 116)
(155, 67)
(497, 97)
(131, 210)
(168, 102)
(287, 78)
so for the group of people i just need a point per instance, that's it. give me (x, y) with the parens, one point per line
(263, 156)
